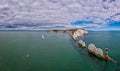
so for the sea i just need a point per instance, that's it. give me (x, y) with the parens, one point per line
(45, 51)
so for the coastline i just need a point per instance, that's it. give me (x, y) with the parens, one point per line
(78, 32)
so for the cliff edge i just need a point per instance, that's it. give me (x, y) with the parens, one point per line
(75, 33)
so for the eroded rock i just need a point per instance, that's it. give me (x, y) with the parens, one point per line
(98, 52)
(75, 33)
(91, 48)
(82, 43)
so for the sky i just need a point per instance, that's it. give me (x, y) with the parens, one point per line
(46, 14)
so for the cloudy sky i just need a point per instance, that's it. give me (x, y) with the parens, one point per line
(44, 14)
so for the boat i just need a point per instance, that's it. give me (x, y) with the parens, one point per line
(27, 55)
(43, 37)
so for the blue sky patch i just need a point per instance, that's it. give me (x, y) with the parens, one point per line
(81, 22)
(114, 24)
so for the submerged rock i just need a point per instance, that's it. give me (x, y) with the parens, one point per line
(82, 43)
(27, 55)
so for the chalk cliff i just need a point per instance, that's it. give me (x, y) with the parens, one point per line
(75, 33)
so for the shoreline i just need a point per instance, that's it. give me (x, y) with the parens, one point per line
(78, 32)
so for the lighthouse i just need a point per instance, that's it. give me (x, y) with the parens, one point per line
(106, 52)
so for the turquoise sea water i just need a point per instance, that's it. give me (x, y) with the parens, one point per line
(28, 51)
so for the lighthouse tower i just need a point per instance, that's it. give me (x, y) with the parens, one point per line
(106, 52)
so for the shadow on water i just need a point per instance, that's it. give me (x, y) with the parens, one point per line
(95, 63)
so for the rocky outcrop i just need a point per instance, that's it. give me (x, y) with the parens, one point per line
(58, 31)
(79, 32)
(82, 43)
(98, 52)
(75, 33)
(92, 49)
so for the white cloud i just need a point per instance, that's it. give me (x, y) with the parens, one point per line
(58, 12)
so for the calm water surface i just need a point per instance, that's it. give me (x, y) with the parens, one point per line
(28, 51)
